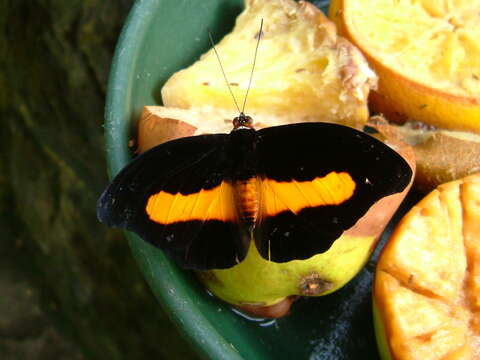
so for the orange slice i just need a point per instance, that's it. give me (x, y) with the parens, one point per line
(426, 54)
(427, 285)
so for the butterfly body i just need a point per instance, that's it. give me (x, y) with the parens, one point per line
(293, 189)
(246, 197)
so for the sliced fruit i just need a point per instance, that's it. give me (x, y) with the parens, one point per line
(159, 124)
(441, 155)
(304, 71)
(427, 283)
(264, 288)
(256, 285)
(426, 54)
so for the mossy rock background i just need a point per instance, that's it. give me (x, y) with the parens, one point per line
(69, 288)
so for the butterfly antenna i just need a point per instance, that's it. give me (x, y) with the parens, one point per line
(253, 67)
(223, 71)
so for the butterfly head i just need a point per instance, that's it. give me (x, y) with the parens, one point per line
(242, 121)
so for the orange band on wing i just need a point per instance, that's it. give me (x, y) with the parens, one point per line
(212, 204)
(332, 189)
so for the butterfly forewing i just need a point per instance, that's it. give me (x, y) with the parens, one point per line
(176, 197)
(319, 185)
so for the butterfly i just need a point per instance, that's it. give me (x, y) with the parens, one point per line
(292, 189)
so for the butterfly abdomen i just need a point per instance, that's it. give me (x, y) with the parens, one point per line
(247, 200)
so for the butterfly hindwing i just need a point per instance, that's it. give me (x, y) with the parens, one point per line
(318, 180)
(176, 197)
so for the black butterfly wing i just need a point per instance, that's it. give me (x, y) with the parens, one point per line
(318, 180)
(175, 196)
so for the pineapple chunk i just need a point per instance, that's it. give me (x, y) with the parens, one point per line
(304, 71)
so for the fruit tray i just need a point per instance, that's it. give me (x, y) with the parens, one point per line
(159, 38)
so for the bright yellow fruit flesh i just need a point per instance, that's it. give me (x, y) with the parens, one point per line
(430, 42)
(426, 53)
(303, 72)
(427, 285)
(257, 281)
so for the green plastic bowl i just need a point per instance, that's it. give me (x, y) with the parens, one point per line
(159, 38)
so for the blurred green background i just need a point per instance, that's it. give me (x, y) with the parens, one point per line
(69, 288)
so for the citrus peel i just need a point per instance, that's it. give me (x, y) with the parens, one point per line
(425, 53)
(427, 284)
